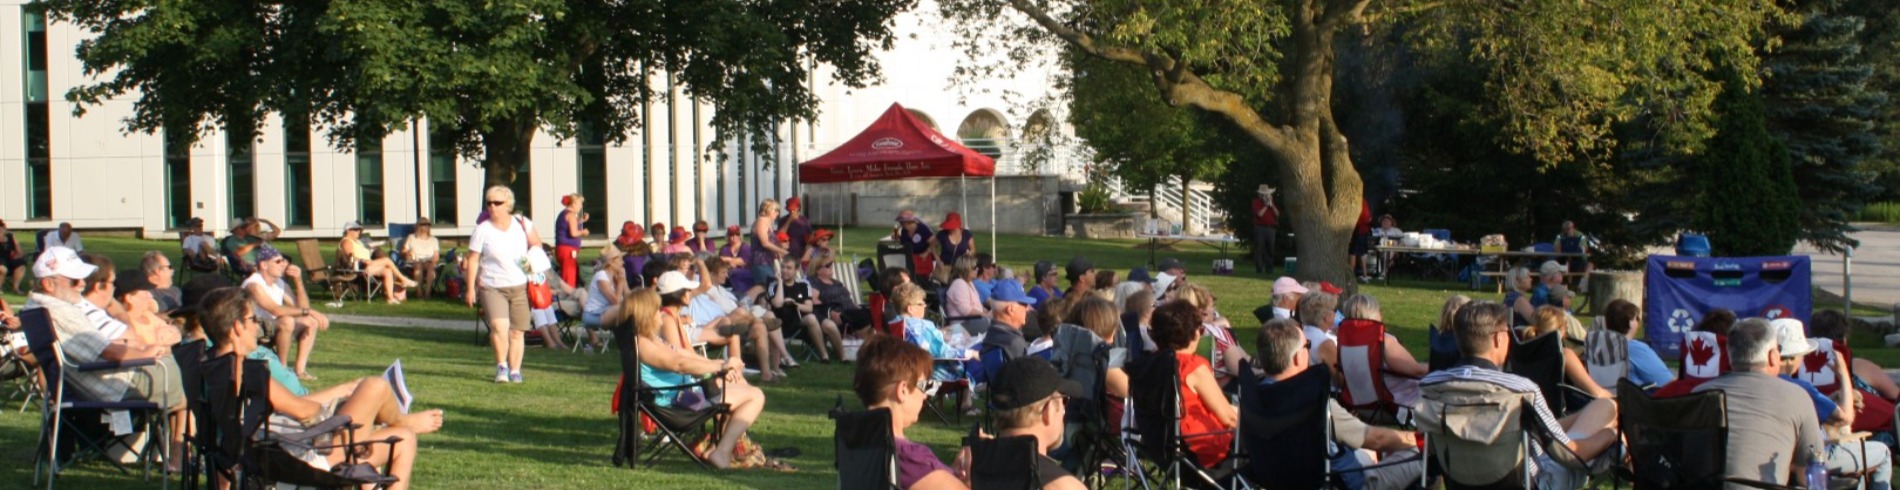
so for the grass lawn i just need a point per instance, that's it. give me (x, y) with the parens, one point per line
(555, 430)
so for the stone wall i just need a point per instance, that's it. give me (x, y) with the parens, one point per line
(1117, 225)
(1025, 204)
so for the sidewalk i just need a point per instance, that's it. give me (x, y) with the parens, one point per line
(397, 321)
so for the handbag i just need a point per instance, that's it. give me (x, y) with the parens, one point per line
(540, 295)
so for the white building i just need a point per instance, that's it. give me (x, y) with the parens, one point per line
(56, 167)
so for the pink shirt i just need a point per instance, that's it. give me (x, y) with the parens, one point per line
(962, 300)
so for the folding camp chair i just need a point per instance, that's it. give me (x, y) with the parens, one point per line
(1606, 356)
(1444, 348)
(1817, 367)
(1287, 427)
(866, 456)
(1541, 360)
(238, 446)
(71, 428)
(1678, 442)
(340, 282)
(1004, 463)
(1361, 359)
(674, 427)
(1155, 387)
(1475, 436)
(1704, 356)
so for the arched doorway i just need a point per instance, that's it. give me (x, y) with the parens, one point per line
(985, 131)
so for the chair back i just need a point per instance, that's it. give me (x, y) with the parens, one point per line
(1543, 247)
(1361, 360)
(891, 253)
(1678, 442)
(1817, 368)
(1474, 431)
(866, 451)
(1606, 355)
(1223, 339)
(398, 233)
(1004, 463)
(1541, 359)
(1704, 356)
(42, 341)
(309, 255)
(1288, 424)
(1155, 385)
(1444, 348)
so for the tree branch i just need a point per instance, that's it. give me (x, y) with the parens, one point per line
(1339, 17)
(1079, 39)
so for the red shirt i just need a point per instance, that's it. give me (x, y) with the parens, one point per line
(1365, 220)
(1269, 218)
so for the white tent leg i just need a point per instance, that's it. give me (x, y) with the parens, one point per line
(993, 224)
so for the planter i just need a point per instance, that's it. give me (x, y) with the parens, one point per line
(1113, 225)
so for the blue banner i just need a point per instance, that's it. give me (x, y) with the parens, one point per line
(1678, 291)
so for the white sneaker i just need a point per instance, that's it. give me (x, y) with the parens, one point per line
(501, 374)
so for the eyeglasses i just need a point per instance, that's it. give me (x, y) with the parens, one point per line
(497, 203)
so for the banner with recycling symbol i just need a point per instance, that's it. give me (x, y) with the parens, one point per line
(1678, 291)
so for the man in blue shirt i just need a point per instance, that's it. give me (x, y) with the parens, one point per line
(1837, 414)
(1646, 368)
(985, 281)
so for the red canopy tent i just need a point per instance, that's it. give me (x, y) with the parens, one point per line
(898, 146)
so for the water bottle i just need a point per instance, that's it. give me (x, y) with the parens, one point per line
(1816, 475)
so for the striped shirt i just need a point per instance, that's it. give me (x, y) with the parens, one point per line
(1482, 371)
(108, 326)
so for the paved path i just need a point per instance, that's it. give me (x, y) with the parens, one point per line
(1876, 274)
(467, 325)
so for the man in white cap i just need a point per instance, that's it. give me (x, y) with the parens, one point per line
(1836, 413)
(61, 274)
(1286, 296)
(1266, 222)
(716, 316)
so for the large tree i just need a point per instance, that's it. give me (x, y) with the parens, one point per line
(488, 72)
(1135, 137)
(1563, 72)
(1821, 107)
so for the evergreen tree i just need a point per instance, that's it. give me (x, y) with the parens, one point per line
(1880, 50)
(1820, 106)
(1748, 203)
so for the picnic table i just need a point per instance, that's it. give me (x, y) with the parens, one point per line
(1155, 241)
(1454, 254)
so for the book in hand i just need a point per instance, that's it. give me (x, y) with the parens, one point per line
(397, 386)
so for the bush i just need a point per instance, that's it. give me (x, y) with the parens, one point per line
(1093, 200)
(1880, 212)
(1749, 205)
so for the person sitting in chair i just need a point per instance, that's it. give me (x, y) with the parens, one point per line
(232, 328)
(639, 319)
(1283, 355)
(1177, 330)
(895, 375)
(424, 252)
(1781, 425)
(363, 259)
(1484, 338)
(1836, 413)
(291, 315)
(1552, 320)
(1031, 399)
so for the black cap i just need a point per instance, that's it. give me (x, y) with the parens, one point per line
(197, 289)
(984, 260)
(1029, 379)
(1078, 266)
(1169, 264)
(1140, 274)
(131, 281)
(1043, 268)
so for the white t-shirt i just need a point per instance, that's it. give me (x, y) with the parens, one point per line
(275, 290)
(596, 299)
(195, 244)
(52, 240)
(1317, 337)
(502, 252)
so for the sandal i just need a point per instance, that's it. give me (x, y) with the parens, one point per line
(779, 466)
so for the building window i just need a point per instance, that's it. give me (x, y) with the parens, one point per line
(39, 136)
(297, 171)
(442, 178)
(177, 177)
(239, 149)
(524, 190)
(593, 175)
(369, 180)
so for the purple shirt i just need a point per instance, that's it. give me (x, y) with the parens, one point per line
(914, 462)
(798, 230)
(561, 235)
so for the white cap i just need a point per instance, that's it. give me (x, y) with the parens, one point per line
(352, 225)
(61, 261)
(1792, 336)
(673, 281)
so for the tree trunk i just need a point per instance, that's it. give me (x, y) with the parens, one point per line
(1187, 222)
(505, 149)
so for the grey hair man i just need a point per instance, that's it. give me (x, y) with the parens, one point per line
(1774, 427)
(1283, 355)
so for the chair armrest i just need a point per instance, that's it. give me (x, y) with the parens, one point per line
(327, 426)
(112, 365)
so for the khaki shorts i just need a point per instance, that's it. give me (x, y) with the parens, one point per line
(509, 303)
(158, 383)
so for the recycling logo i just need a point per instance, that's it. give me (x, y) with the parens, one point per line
(1680, 321)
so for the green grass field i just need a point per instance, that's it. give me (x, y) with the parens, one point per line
(555, 430)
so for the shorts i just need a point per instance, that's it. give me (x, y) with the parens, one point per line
(510, 304)
(13, 264)
(543, 317)
(158, 383)
(591, 319)
(727, 329)
(1359, 244)
(763, 273)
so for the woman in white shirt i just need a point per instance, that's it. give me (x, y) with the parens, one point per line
(497, 269)
(423, 252)
(604, 292)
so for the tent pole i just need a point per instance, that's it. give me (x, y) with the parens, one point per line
(963, 199)
(993, 224)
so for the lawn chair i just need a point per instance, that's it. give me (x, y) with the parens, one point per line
(398, 233)
(1004, 463)
(1287, 429)
(1817, 367)
(1606, 355)
(1096, 439)
(1678, 442)
(1541, 360)
(339, 282)
(1155, 386)
(1474, 434)
(866, 456)
(241, 448)
(1362, 361)
(70, 428)
(673, 427)
(1704, 356)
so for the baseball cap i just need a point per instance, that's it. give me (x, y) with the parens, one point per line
(1170, 264)
(267, 254)
(1550, 267)
(63, 262)
(1140, 274)
(906, 215)
(1285, 285)
(1329, 288)
(674, 281)
(1792, 336)
(1029, 379)
(131, 281)
(1078, 266)
(1011, 291)
(352, 225)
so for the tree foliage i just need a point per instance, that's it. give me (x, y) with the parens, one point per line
(1563, 73)
(1747, 201)
(1820, 106)
(1134, 136)
(488, 72)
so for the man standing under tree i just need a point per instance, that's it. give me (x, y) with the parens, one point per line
(1266, 222)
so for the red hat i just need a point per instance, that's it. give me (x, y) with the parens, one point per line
(952, 221)
(679, 234)
(793, 204)
(629, 234)
(783, 237)
(820, 235)
(700, 226)
(567, 200)
(1329, 288)
(732, 230)
(658, 226)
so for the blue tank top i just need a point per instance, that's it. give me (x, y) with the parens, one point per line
(651, 376)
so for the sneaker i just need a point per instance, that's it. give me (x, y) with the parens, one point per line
(589, 349)
(501, 373)
(514, 377)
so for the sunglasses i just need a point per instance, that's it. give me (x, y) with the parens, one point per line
(497, 203)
